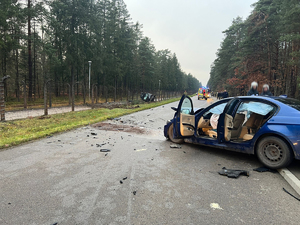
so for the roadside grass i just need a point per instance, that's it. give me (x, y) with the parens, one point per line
(38, 103)
(19, 131)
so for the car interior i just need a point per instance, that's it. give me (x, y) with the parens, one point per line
(246, 122)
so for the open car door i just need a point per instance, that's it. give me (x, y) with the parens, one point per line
(184, 122)
(225, 122)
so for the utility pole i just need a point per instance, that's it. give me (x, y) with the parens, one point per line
(159, 89)
(90, 63)
(29, 52)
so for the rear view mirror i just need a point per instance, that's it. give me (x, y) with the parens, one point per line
(174, 108)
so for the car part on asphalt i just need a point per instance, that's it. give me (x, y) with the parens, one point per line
(264, 169)
(291, 194)
(233, 173)
(175, 146)
(104, 150)
(93, 133)
(134, 192)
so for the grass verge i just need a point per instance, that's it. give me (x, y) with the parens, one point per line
(19, 131)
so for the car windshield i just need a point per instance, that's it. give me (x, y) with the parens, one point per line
(290, 102)
(217, 109)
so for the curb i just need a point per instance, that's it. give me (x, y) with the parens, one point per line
(291, 179)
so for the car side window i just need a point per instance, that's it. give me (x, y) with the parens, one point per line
(259, 108)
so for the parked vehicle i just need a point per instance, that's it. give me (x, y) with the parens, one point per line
(266, 126)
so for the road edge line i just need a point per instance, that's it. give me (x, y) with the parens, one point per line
(291, 179)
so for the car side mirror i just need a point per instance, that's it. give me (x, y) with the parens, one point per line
(174, 108)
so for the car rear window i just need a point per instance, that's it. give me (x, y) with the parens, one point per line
(290, 102)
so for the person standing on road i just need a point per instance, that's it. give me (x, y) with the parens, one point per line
(253, 91)
(266, 91)
(225, 94)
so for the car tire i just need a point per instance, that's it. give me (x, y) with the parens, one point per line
(274, 152)
(170, 134)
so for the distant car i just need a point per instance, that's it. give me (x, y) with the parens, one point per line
(268, 127)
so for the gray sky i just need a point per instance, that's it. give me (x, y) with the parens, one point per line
(190, 28)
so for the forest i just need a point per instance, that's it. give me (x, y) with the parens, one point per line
(50, 42)
(265, 48)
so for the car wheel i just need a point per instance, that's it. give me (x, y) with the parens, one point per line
(274, 153)
(170, 134)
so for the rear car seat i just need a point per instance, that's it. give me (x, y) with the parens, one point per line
(252, 124)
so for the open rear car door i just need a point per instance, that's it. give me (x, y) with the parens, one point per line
(225, 122)
(184, 122)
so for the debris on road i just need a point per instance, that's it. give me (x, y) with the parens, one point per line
(291, 194)
(100, 145)
(104, 150)
(121, 182)
(215, 206)
(139, 150)
(119, 127)
(93, 133)
(233, 173)
(106, 154)
(124, 178)
(264, 169)
(175, 146)
(134, 192)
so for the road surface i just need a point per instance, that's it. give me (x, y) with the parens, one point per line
(65, 179)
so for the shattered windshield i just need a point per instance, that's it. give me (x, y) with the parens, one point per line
(217, 109)
(290, 102)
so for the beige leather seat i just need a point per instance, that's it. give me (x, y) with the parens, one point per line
(248, 137)
(237, 125)
(253, 123)
(228, 124)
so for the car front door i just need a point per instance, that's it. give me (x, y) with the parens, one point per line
(184, 121)
(225, 122)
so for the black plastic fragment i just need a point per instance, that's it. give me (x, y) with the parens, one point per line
(104, 150)
(291, 194)
(124, 178)
(93, 133)
(121, 182)
(134, 192)
(264, 169)
(233, 173)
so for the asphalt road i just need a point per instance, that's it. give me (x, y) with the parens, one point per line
(65, 179)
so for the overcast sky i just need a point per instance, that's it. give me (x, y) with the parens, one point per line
(190, 28)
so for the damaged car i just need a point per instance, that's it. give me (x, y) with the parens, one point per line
(268, 127)
(147, 97)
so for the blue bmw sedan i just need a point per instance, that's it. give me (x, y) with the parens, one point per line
(266, 126)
